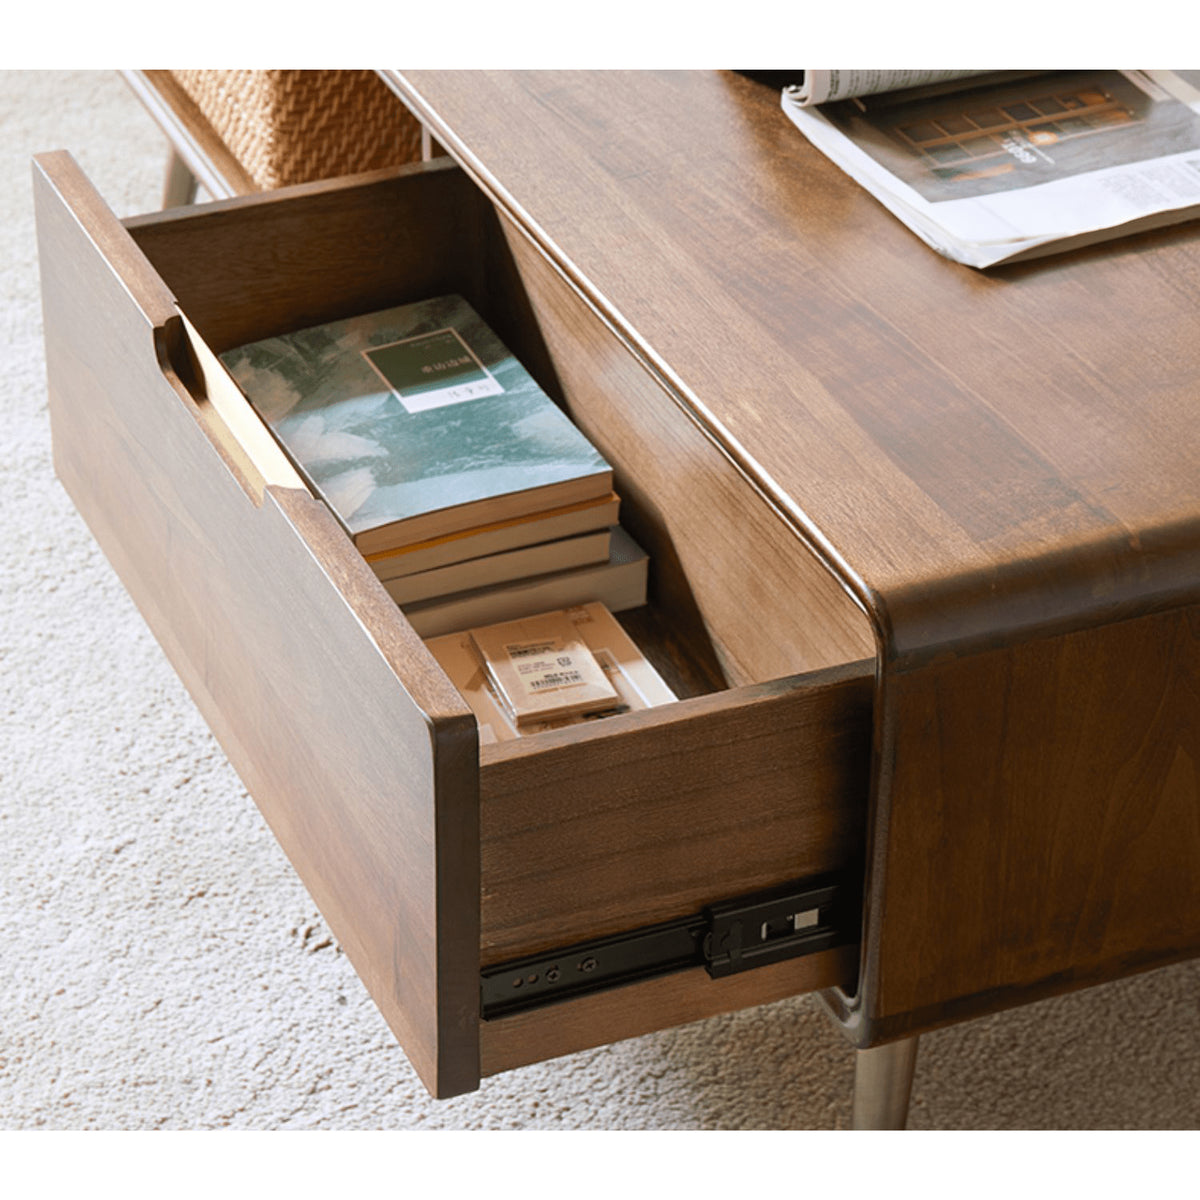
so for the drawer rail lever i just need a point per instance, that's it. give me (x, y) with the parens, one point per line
(744, 934)
(725, 939)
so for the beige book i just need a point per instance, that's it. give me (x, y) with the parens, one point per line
(619, 583)
(541, 668)
(523, 563)
(549, 526)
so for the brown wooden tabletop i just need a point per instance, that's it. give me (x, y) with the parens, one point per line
(973, 452)
(1000, 466)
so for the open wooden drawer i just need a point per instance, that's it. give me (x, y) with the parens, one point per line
(436, 861)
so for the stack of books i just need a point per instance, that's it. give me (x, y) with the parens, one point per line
(467, 489)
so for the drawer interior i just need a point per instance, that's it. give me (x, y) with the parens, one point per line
(759, 773)
(242, 272)
(433, 858)
(596, 828)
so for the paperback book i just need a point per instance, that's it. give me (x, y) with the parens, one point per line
(619, 583)
(416, 422)
(558, 524)
(525, 562)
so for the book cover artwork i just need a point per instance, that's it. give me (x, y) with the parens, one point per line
(409, 411)
(432, 370)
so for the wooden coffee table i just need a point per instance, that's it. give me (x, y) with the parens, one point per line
(925, 577)
(999, 469)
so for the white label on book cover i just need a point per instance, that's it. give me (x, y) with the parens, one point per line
(431, 370)
(543, 667)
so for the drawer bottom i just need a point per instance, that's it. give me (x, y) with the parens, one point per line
(569, 1026)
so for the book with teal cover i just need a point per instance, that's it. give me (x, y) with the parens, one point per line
(416, 421)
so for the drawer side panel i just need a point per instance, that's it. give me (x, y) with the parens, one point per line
(1065, 773)
(362, 759)
(724, 564)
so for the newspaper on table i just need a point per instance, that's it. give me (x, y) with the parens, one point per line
(987, 167)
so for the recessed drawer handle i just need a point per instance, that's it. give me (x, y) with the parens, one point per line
(73, 219)
(226, 416)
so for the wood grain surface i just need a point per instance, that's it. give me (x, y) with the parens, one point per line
(650, 816)
(1000, 466)
(1071, 802)
(726, 570)
(325, 701)
(571, 1025)
(250, 267)
(976, 454)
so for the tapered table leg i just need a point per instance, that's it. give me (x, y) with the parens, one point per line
(180, 185)
(883, 1079)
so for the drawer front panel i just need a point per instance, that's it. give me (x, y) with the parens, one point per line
(322, 697)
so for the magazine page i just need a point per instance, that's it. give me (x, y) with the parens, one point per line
(818, 87)
(990, 170)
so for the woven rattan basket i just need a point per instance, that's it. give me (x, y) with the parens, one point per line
(287, 127)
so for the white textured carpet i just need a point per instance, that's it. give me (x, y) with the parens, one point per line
(163, 968)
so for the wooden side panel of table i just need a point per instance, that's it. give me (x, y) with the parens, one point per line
(1054, 787)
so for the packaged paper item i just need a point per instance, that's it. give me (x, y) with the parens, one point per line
(456, 655)
(637, 683)
(541, 668)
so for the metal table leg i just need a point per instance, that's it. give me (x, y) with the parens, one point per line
(180, 186)
(883, 1079)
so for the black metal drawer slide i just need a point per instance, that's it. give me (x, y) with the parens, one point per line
(736, 935)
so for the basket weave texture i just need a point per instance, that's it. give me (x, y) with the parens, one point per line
(287, 127)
